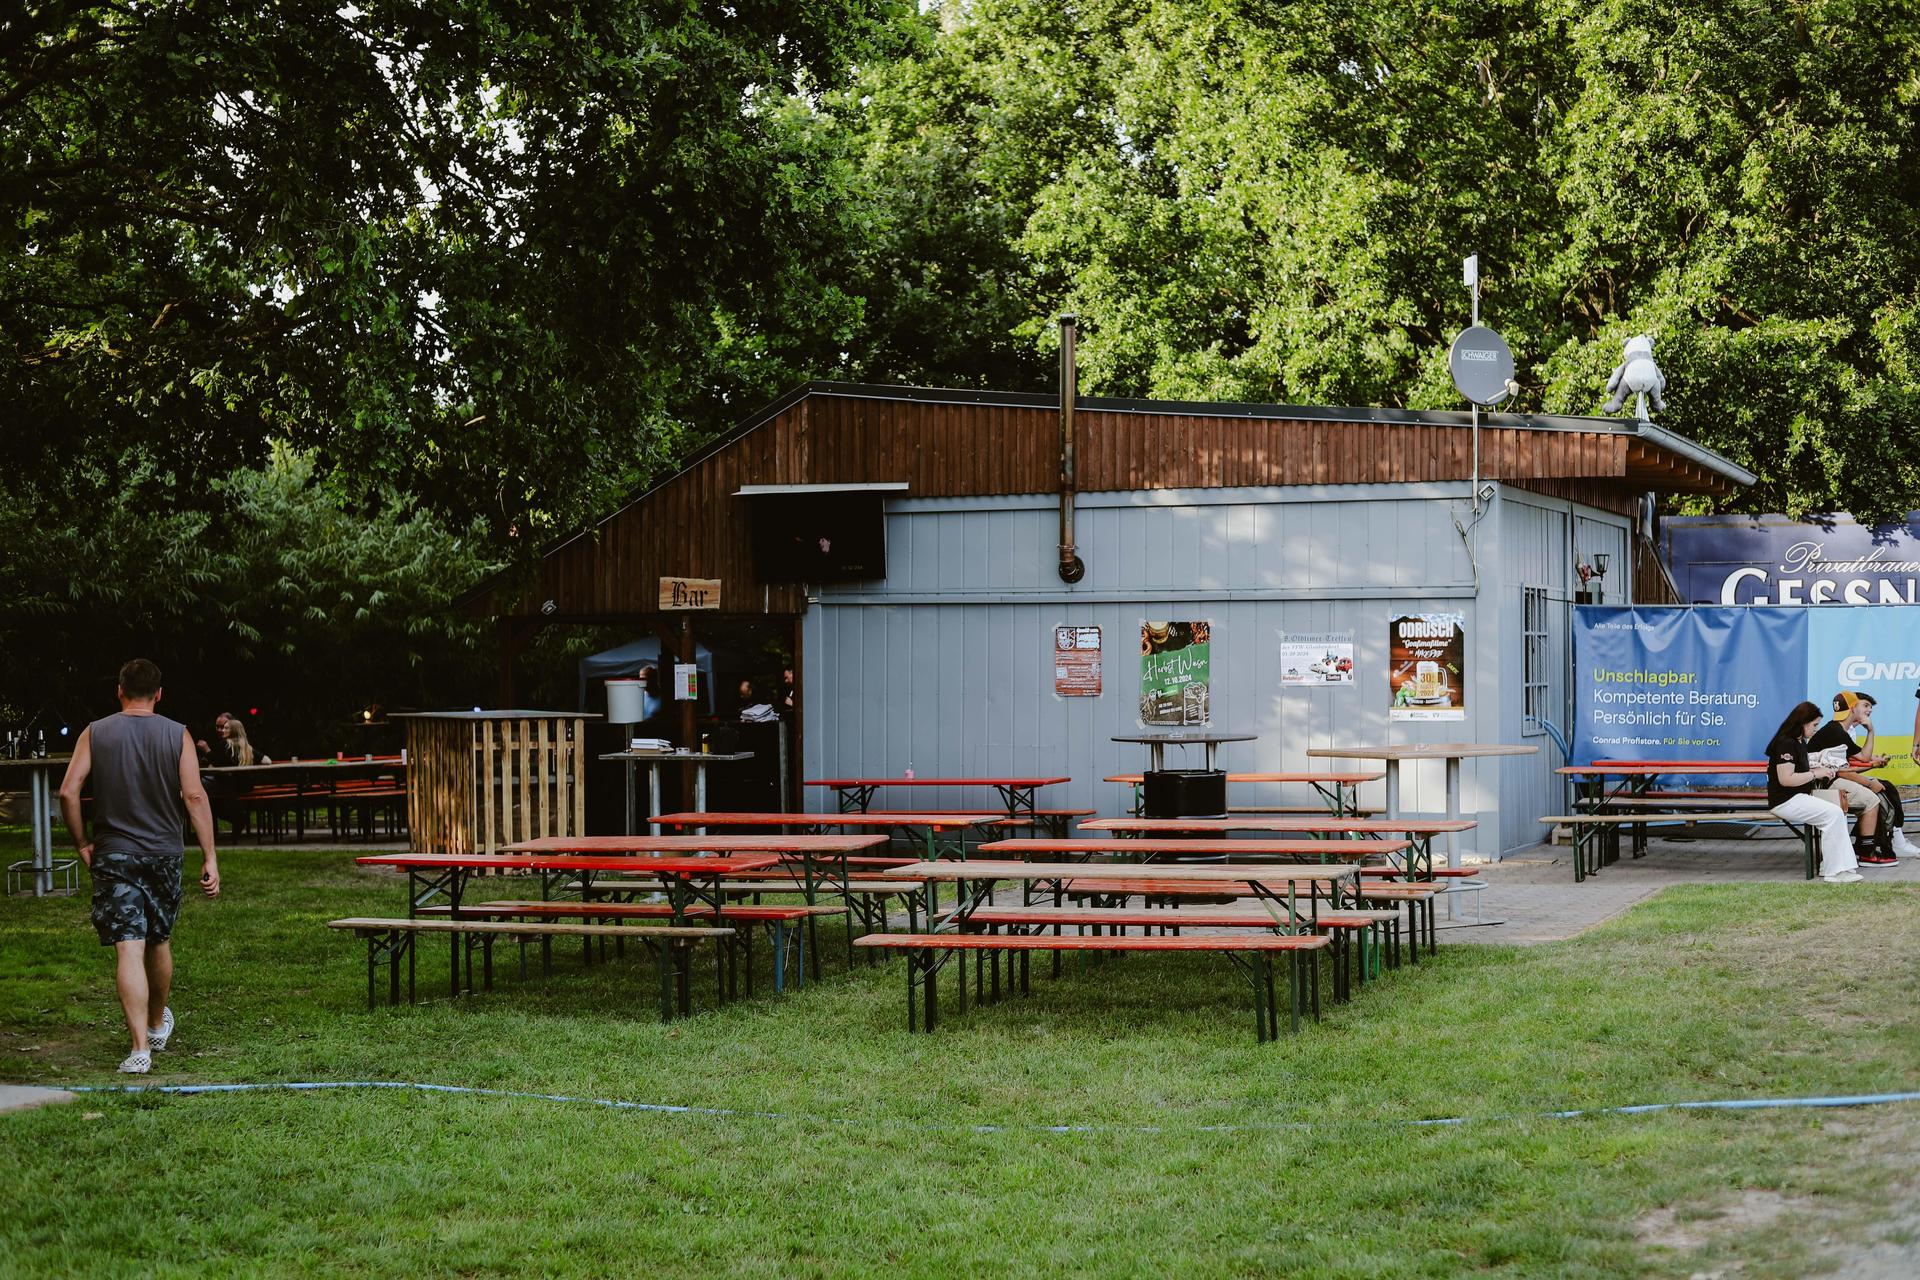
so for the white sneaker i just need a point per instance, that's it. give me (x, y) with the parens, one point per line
(1844, 877)
(138, 1063)
(157, 1037)
(1903, 847)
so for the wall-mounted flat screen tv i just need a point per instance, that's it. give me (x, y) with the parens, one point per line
(819, 533)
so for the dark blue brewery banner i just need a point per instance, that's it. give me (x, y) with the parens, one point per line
(1664, 683)
(1824, 559)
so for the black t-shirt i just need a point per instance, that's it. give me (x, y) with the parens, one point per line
(1832, 734)
(1788, 749)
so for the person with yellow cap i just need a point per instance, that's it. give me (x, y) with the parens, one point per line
(1874, 800)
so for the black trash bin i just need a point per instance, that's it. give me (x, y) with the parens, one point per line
(1184, 793)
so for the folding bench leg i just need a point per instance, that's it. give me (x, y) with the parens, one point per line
(373, 947)
(913, 992)
(931, 995)
(1254, 966)
(663, 962)
(1273, 1010)
(1313, 982)
(1293, 989)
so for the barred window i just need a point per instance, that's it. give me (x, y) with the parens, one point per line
(1534, 657)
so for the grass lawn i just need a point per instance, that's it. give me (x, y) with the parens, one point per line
(1197, 1151)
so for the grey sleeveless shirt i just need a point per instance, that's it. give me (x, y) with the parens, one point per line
(136, 785)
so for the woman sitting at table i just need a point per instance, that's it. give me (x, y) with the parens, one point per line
(238, 747)
(1790, 783)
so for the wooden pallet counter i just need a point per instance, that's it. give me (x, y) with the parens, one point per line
(478, 780)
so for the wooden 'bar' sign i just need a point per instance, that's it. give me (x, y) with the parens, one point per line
(689, 593)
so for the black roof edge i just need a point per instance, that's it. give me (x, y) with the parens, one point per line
(1111, 404)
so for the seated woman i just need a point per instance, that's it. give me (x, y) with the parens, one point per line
(1790, 783)
(240, 747)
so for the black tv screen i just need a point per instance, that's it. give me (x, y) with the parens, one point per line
(819, 537)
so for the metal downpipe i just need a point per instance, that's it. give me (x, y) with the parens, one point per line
(1072, 568)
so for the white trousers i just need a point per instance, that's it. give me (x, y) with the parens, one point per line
(1836, 847)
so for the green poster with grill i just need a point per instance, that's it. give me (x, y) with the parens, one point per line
(1176, 677)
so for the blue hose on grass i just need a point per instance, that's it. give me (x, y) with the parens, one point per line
(667, 1108)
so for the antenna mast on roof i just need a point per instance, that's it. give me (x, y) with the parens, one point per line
(1481, 365)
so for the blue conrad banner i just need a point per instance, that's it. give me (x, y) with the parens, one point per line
(1875, 652)
(1704, 683)
(1660, 683)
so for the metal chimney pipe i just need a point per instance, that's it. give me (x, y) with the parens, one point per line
(1072, 568)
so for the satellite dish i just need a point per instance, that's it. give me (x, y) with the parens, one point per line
(1482, 365)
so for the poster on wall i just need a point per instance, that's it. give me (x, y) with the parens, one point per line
(1076, 662)
(1710, 683)
(1426, 666)
(1315, 659)
(1176, 678)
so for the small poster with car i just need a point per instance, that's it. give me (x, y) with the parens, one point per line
(1316, 659)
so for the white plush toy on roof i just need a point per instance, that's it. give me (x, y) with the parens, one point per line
(1639, 375)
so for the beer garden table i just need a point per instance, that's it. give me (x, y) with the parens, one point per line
(41, 867)
(1635, 777)
(931, 825)
(1451, 752)
(979, 876)
(855, 795)
(1157, 744)
(1418, 832)
(688, 881)
(698, 761)
(1340, 790)
(302, 774)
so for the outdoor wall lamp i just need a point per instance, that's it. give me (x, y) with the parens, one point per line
(1599, 564)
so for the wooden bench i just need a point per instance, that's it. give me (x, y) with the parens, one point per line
(1252, 952)
(1367, 812)
(1417, 898)
(389, 939)
(1596, 836)
(1375, 932)
(777, 919)
(1054, 822)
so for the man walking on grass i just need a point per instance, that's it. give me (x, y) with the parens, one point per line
(143, 766)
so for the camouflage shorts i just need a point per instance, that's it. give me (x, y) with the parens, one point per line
(135, 896)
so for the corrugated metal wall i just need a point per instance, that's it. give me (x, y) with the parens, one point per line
(1539, 549)
(947, 667)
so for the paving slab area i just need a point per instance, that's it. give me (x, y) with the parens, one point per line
(22, 1097)
(1534, 894)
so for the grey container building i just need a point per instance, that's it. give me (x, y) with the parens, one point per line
(1262, 520)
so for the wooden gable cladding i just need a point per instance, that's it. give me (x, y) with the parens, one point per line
(1163, 451)
(693, 526)
(940, 450)
(945, 443)
(686, 527)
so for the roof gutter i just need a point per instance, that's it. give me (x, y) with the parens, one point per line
(1695, 453)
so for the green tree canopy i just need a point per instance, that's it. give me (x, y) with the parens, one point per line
(1269, 201)
(497, 254)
